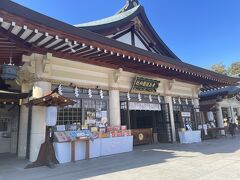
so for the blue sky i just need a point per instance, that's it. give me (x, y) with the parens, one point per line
(200, 32)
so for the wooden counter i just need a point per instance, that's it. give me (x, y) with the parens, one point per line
(142, 136)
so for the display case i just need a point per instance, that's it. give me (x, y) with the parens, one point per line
(92, 142)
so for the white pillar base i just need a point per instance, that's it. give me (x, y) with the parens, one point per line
(23, 126)
(38, 127)
(220, 119)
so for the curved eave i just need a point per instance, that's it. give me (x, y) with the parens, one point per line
(222, 92)
(114, 22)
(111, 21)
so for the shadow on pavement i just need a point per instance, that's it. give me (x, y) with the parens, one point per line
(11, 168)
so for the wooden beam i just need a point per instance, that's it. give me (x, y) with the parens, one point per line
(82, 50)
(71, 48)
(95, 54)
(63, 48)
(87, 52)
(34, 32)
(24, 28)
(40, 39)
(101, 56)
(16, 40)
(62, 42)
(12, 25)
(49, 42)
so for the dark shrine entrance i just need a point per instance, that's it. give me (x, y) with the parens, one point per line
(144, 115)
(142, 119)
(184, 117)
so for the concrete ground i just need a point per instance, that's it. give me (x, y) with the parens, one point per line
(212, 159)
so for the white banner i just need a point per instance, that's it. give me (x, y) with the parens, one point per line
(186, 114)
(144, 106)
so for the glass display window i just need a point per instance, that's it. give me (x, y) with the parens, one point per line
(4, 124)
(70, 115)
(95, 111)
(86, 109)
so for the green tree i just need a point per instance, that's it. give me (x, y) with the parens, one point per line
(219, 68)
(234, 68)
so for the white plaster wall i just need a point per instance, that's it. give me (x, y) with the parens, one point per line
(83, 74)
(91, 75)
(126, 38)
(138, 43)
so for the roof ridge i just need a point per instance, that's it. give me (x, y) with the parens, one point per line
(130, 4)
(109, 19)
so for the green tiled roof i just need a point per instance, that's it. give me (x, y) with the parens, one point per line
(111, 19)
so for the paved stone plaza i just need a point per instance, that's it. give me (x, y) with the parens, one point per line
(212, 159)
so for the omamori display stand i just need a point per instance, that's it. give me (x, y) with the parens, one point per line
(46, 156)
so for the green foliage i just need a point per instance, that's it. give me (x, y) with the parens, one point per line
(219, 68)
(233, 69)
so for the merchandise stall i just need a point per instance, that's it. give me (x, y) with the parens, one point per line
(187, 134)
(83, 144)
(83, 130)
(209, 127)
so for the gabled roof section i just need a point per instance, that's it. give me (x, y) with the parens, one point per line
(131, 17)
(221, 92)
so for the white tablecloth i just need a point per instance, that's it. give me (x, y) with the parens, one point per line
(190, 137)
(116, 145)
(99, 147)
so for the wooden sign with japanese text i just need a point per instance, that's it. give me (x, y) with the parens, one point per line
(145, 85)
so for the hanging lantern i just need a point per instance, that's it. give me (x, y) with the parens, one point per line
(51, 116)
(9, 72)
(37, 92)
(76, 91)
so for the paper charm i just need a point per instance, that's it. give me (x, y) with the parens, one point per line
(139, 97)
(179, 100)
(128, 96)
(159, 99)
(101, 94)
(60, 90)
(89, 93)
(150, 98)
(76, 91)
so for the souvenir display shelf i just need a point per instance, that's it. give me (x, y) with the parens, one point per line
(91, 142)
